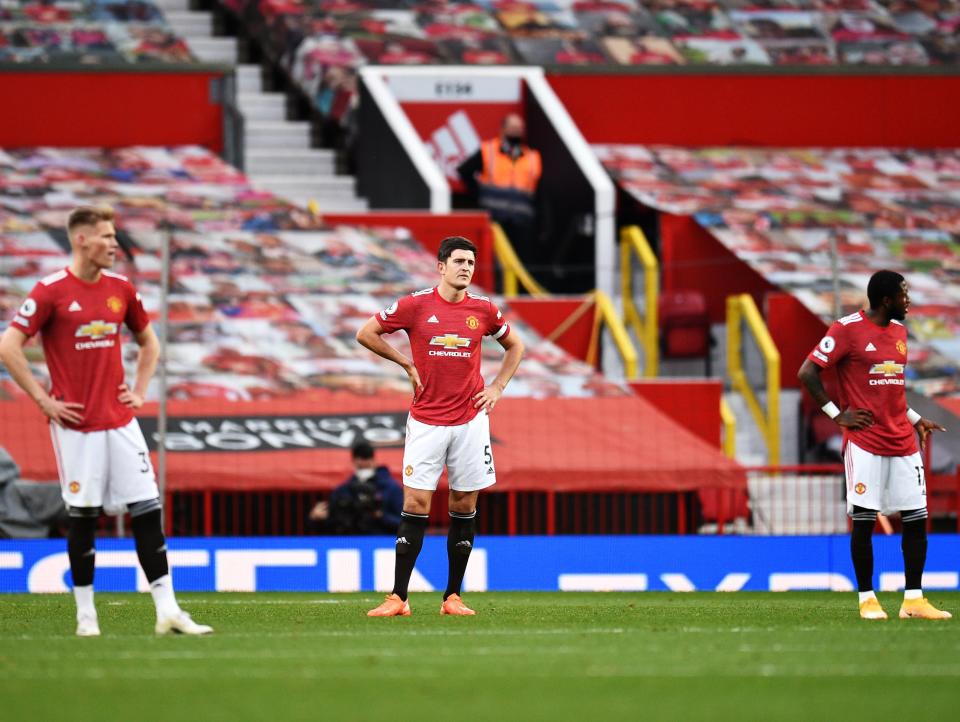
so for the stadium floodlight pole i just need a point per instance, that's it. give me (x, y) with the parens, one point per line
(162, 375)
(835, 273)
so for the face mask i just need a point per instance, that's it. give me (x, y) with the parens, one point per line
(513, 139)
(365, 474)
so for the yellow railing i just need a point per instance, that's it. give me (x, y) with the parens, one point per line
(729, 421)
(633, 242)
(606, 314)
(740, 309)
(513, 269)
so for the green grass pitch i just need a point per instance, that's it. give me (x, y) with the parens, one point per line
(540, 656)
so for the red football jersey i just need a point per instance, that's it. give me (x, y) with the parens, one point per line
(79, 326)
(870, 362)
(445, 338)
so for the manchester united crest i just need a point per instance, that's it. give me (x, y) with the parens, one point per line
(902, 348)
(74, 487)
(860, 488)
(473, 323)
(408, 471)
(115, 304)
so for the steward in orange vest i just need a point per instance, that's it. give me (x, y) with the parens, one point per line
(508, 182)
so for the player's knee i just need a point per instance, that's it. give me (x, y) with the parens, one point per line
(85, 512)
(139, 508)
(914, 515)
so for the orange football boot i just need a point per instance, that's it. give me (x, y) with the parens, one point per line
(454, 605)
(921, 609)
(392, 606)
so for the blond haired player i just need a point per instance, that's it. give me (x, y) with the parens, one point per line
(101, 454)
(449, 418)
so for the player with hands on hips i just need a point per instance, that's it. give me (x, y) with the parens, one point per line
(883, 467)
(449, 421)
(101, 454)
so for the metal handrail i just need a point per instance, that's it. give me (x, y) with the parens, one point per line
(606, 313)
(634, 242)
(513, 268)
(741, 307)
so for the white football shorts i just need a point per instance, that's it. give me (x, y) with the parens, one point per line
(884, 483)
(104, 468)
(464, 449)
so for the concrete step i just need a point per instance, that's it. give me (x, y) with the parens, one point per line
(249, 79)
(262, 134)
(262, 99)
(189, 24)
(275, 161)
(165, 5)
(314, 186)
(214, 50)
(331, 205)
(256, 111)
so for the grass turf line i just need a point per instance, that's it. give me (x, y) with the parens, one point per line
(524, 656)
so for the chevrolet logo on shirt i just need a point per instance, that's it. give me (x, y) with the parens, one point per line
(96, 329)
(450, 340)
(887, 368)
(452, 344)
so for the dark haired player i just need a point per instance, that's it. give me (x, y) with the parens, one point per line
(883, 467)
(449, 423)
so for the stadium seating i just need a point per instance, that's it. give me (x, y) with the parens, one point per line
(778, 210)
(91, 32)
(321, 44)
(262, 284)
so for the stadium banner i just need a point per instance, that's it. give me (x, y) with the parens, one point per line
(565, 563)
(620, 443)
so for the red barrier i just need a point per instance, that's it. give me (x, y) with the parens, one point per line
(557, 444)
(110, 109)
(775, 108)
(430, 229)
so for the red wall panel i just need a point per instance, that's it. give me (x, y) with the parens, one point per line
(692, 403)
(691, 258)
(765, 109)
(795, 331)
(110, 109)
(546, 316)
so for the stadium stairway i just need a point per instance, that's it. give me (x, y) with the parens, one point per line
(277, 152)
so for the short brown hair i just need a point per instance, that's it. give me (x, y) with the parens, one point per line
(454, 243)
(89, 216)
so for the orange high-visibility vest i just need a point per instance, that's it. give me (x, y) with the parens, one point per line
(506, 185)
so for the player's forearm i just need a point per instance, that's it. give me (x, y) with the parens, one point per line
(146, 367)
(809, 374)
(374, 342)
(12, 356)
(509, 366)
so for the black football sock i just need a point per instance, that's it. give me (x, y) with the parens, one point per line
(409, 543)
(80, 549)
(151, 546)
(861, 546)
(914, 546)
(459, 546)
